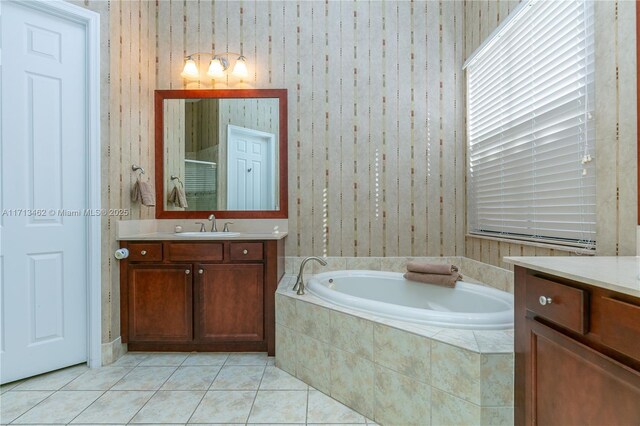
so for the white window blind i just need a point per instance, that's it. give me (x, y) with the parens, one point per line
(200, 177)
(530, 126)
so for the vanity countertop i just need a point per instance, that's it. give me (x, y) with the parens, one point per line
(617, 273)
(172, 236)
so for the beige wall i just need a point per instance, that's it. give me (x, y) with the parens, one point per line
(175, 144)
(616, 156)
(362, 76)
(128, 78)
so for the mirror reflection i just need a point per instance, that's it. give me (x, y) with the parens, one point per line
(221, 154)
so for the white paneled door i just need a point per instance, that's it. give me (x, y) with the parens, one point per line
(250, 169)
(44, 159)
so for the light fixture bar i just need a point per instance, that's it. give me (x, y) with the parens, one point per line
(219, 64)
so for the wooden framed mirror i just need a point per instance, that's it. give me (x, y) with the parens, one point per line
(225, 149)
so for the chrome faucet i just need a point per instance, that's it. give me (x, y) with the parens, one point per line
(202, 228)
(226, 227)
(299, 286)
(212, 218)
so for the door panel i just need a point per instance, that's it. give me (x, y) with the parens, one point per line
(575, 385)
(230, 303)
(43, 154)
(249, 169)
(160, 303)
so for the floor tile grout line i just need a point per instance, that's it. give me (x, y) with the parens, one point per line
(205, 392)
(256, 395)
(154, 394)
(306, 415)
(85, 408)
(53, 392)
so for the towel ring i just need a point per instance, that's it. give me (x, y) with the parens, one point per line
(174, 177)
(137, 168)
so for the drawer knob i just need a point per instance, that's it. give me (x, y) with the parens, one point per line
(143, 252)
(186, 271)
(245, 251)
(201, 271)
(544, 300)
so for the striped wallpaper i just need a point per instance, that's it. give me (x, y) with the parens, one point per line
(375, 95)
(363, 78)
(128, 75)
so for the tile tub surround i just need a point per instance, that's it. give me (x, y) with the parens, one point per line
(392, 371)
(472, 270)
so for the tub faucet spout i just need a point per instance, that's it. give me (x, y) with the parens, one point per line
(299, 286)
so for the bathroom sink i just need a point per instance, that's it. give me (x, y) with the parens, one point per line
(208, 234)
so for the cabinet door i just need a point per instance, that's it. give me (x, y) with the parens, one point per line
(571, 384)
(229, 303)
(160, 303)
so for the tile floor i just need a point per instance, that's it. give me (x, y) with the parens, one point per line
(172, 388)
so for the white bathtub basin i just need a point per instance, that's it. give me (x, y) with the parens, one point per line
(388, 294)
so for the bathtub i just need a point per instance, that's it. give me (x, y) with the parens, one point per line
(388, 294)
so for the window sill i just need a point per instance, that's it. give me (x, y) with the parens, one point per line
(562, 247)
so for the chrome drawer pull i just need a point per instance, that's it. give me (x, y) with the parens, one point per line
(544, 300)
(186, 271)
(143, 252)
(201, 271)
(245, 251)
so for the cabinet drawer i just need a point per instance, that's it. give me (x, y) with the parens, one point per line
(245, 251)
(559, 303)
(620, 326)
(194, 251)
(145, 252)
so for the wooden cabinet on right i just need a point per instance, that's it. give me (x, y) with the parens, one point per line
(577, 353)
(229, 303)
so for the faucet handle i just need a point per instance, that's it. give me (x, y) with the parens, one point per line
(226, 226)
(202, 228)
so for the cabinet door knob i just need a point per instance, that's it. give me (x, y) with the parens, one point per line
(201, 271)
(544, 300)
(186, 271)
(245, 251)
(143, 252)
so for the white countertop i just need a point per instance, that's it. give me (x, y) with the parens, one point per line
(172, 236)
(617, 273)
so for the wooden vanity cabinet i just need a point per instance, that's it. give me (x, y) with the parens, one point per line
(200, 296)
(578, 357)
(229, 303)
(160, 302)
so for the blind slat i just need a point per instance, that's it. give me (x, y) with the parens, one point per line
(530, 108)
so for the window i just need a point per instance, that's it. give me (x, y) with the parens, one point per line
(530, 97)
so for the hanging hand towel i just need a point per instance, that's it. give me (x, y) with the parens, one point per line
(178, 197)
(431, 268)
(143, 192)
(436, 279)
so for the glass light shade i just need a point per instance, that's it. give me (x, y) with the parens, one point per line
(216, 69)
(190, 70)
(240, 68)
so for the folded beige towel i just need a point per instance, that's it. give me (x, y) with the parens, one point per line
(437, 279)
(143, 192)
(431, 268)
(178, 197)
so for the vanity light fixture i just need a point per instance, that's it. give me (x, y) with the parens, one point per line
(218, 66)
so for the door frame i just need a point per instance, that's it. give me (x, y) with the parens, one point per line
(91, 21)
(231, 128)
